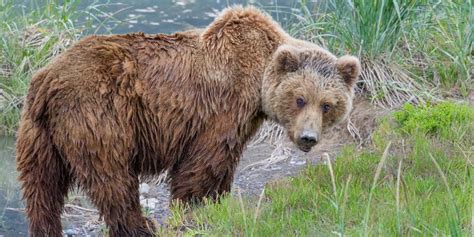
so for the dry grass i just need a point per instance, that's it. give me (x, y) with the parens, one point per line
(389, 86)
(27, 43)
(30, 35)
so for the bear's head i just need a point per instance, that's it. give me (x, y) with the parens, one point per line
(307, 90)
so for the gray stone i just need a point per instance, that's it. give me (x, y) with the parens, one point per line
(144, 188)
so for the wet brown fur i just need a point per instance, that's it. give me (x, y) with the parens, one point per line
(113, 109)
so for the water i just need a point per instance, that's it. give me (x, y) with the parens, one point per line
(12, 221)
(167, 16)
(115, 16)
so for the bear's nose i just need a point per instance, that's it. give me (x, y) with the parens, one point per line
(309, 138)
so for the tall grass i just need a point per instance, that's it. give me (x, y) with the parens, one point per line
(370, 28)
(442, 41)
(29, 38)
(30, 35)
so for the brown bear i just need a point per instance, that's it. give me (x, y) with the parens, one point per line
(113, 109)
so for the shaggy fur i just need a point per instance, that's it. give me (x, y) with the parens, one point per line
(115, 108)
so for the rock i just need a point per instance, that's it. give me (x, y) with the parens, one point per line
(149, 203)
(297, 161)
(70, 232)
(144, 188)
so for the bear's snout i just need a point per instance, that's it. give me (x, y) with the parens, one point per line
(307, 140)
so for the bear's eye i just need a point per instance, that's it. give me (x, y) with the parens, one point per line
(300, 102)
(326, 107)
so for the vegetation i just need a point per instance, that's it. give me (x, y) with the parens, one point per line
(28, 40)
(442, 43)
(27, 43)
(416, 179)
(432, 119)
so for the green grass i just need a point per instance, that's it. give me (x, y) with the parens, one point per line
(373, 28)
(30, 35)
(442, 42)
(433, 120)
(29, 39)
(413, 180)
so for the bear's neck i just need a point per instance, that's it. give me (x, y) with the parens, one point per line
(240, 60)
(240, 75)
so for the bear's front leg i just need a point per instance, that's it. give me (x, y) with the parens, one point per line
(204, 175)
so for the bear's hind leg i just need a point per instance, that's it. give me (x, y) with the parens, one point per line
(113, 188)
(100, 145)
(45, 181)
(117, 198)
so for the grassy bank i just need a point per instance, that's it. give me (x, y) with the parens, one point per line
(29, 39)
(416, 179)
(31, 34)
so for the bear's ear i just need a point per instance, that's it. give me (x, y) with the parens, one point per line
(287, 60)
(349, 69)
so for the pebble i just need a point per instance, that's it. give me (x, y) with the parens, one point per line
(149, 203)
(144, 188)
(296, 161)
(70, 232)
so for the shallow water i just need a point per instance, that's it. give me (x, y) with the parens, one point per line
(12, 221)
(167, 16)
(121, 16)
